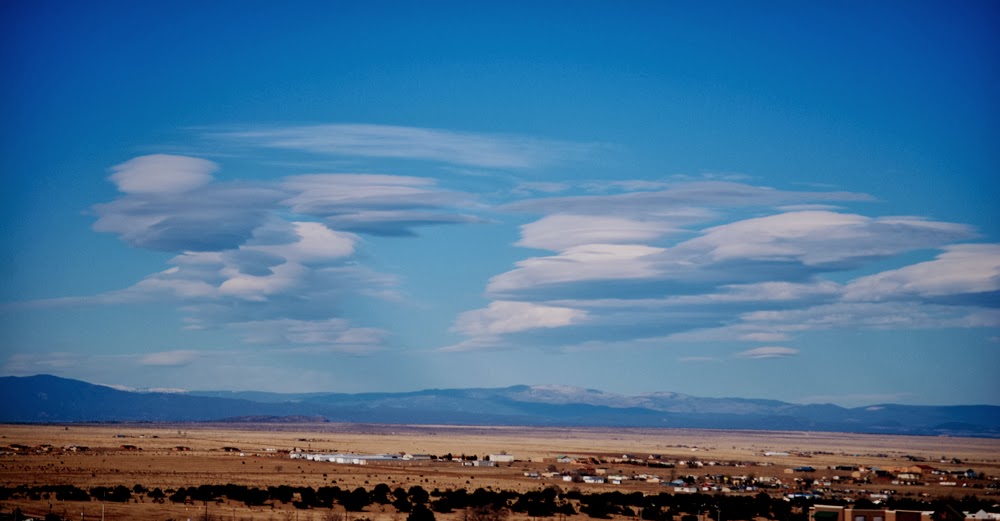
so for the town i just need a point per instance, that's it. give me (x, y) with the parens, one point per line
(386, 473)
(843, 481)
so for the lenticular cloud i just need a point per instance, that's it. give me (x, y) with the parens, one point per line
(162, 174)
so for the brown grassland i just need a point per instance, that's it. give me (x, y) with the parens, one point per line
(261, 462)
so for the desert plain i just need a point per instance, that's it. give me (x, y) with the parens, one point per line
(170, 456)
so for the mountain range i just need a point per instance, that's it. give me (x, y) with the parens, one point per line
(51, 399)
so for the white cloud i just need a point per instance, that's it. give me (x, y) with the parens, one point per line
(314, 243)
(780, 325)
(397, 222)
(251, 256)
(611, 261)
(70, 363)
(761, 250)
(476, 344)
(253, 252)
(627, 185)
(445, 146)
(718, 176)
(502, 317)
(699, 317)
(164, 283)
(816, 238)
(762, 292)
(809, 207)
(739, 332)
(171, 358)
(324, 194)
(580, 263)
(162, 174)
(36, 363)
(690, 359)
(220, 216)
(561, 232)
(250, 272)
(698, 196)
(376, 204)
(768, 352)
(313, 336)
(961, 269)
(763, 336)
(213, 217)
(529, 188)
(873, 315)
(283, 279)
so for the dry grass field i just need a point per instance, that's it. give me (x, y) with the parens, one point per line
(261, 461)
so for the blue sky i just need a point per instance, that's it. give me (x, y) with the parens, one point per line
(775, 200)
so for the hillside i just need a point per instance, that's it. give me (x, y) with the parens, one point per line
(51, 399)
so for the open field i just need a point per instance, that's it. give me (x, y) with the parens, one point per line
(262, 460)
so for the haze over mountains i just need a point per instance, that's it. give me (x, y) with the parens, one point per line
(46, 398)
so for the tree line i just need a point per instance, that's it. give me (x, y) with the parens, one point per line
(483, 504)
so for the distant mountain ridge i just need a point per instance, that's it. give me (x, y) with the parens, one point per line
(51, 399)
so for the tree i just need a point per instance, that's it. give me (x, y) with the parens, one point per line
(420, 513)
(255, 497)
(597, 507)
(71, 493)
(179, 496)
(156, 495)
(566, 508)
(119, 494)
(652, 513)
(402, 504)
(864, 503)
(485, 513)
(282, 493)
(307, 498)
(442, 506)
(418, 495)
(762, 503)
(356, 501)
(380, 494)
